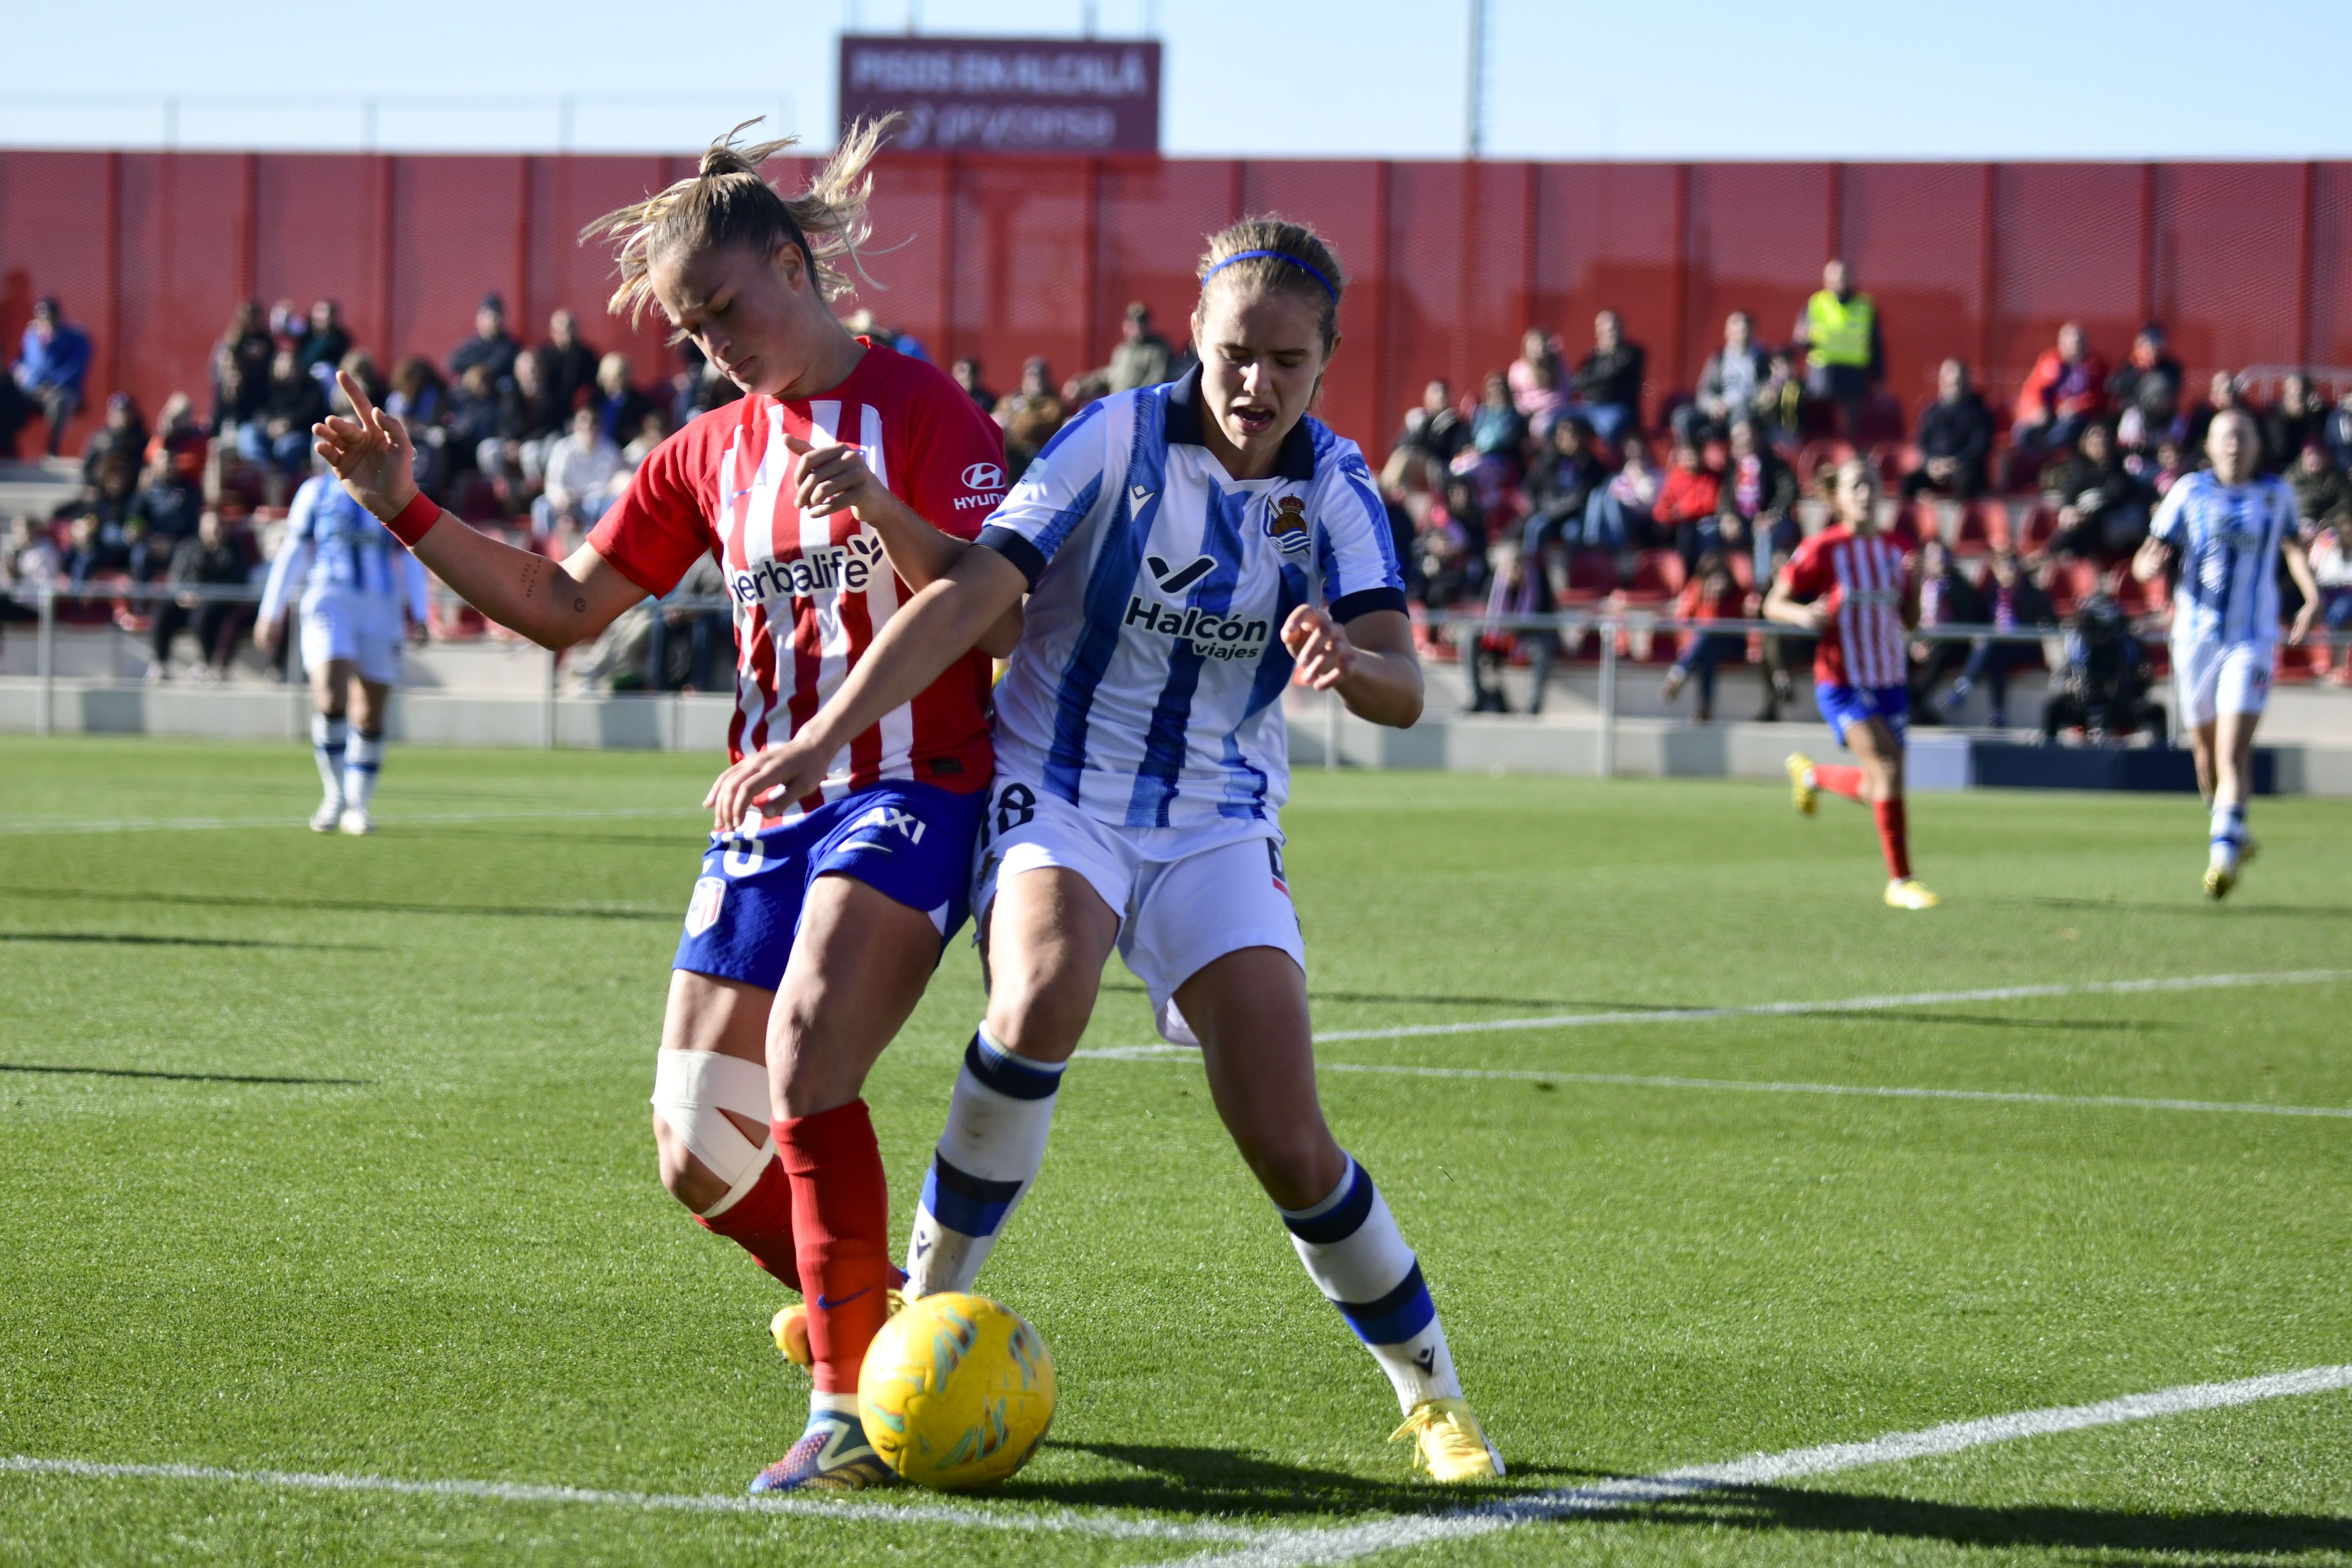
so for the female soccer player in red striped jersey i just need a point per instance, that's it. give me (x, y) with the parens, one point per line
(847, 477)
(1850, 585)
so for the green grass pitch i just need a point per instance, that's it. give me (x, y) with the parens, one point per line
(331, 1156)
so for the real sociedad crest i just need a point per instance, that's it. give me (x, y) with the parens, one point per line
(1286, 524)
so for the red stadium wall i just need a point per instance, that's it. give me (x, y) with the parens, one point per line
(2246, 263)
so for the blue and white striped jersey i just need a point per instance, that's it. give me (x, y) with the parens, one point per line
(2228, 539)
(1144, 689)
(333, 548)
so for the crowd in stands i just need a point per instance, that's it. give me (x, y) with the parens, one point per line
(1551, 491)
(1553, 488)
(535, 440)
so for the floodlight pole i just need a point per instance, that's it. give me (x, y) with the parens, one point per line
(1474, 96)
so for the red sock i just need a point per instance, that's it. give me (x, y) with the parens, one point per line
(761, 1222)
(1839, 778)
(1889, 815)
(841, 1230)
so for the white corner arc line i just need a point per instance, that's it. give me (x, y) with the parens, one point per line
(1346, 1543)
(1062, 1522)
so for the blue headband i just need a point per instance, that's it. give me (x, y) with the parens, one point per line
(1278, 255)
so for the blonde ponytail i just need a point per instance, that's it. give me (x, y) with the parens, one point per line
(726, 202)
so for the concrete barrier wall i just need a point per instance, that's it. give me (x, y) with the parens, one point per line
(1462, 743)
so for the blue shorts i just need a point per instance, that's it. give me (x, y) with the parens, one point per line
(1846, 706)
(910, 842)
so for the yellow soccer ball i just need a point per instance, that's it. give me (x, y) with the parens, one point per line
(955, 1392)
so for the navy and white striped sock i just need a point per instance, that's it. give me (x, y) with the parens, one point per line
(327, 734)
(988, 1154)
(361, 761)
(1354, 1253)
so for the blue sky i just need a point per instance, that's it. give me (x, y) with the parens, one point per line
(1301, 78)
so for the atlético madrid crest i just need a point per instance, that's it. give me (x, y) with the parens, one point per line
(1286, 524)
(702, 911)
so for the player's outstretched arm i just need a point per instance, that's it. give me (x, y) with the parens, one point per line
(936, 627)
(835, 476)
(1370, 662)
(1779, 606)
(2298, 566)
(555, 606)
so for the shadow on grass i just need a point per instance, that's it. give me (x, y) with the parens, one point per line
(133, 938)
(1224, 1481)
(2169, 1537)
(184, 1077)
(343, 906)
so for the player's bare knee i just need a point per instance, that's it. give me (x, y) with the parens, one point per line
(1039, 1012)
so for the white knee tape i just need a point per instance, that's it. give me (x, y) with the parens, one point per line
(690, 1089)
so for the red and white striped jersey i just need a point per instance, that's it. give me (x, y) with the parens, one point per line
(1863, 581)
(810, 592)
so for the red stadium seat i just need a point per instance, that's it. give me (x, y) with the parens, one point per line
(1591, 577)
(1743, 570)
(2041, 526)
(1990, 517)
(2070, 582)
(1658, 575)
(2138, 598)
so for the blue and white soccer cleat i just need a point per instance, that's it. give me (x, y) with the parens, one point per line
(832, 1455)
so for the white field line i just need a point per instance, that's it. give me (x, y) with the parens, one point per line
(1751, 1086)
(1845, 1004)
(1346, 1543)
(1773, 1010)
(1062, 1522)
(24, 825)
(1280, 1548)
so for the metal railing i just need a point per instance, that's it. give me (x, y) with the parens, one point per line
(1609, 625)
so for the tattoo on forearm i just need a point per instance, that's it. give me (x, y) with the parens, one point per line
(530, 577)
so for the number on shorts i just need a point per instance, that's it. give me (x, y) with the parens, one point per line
(1016, 807)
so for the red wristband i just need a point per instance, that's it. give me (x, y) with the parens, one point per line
(415, 519)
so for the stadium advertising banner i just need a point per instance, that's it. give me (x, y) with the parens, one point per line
(1006, 95)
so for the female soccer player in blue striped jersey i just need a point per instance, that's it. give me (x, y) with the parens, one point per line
(1188, 551)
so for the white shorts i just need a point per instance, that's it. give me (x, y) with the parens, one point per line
(1185, 897)
(2214, 677)
(365, 630)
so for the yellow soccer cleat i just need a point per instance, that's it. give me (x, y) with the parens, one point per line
(788, 1327)
(1802, 793)
(2218, 880)
(1448, 1442)
(1907, 894)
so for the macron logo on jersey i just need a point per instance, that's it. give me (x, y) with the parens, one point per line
(848, 567)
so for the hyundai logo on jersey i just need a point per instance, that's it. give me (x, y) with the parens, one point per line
(983, 477)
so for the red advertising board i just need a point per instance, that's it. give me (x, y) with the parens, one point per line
(1005, 95)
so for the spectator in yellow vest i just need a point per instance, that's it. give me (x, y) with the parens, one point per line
(1845, 358)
